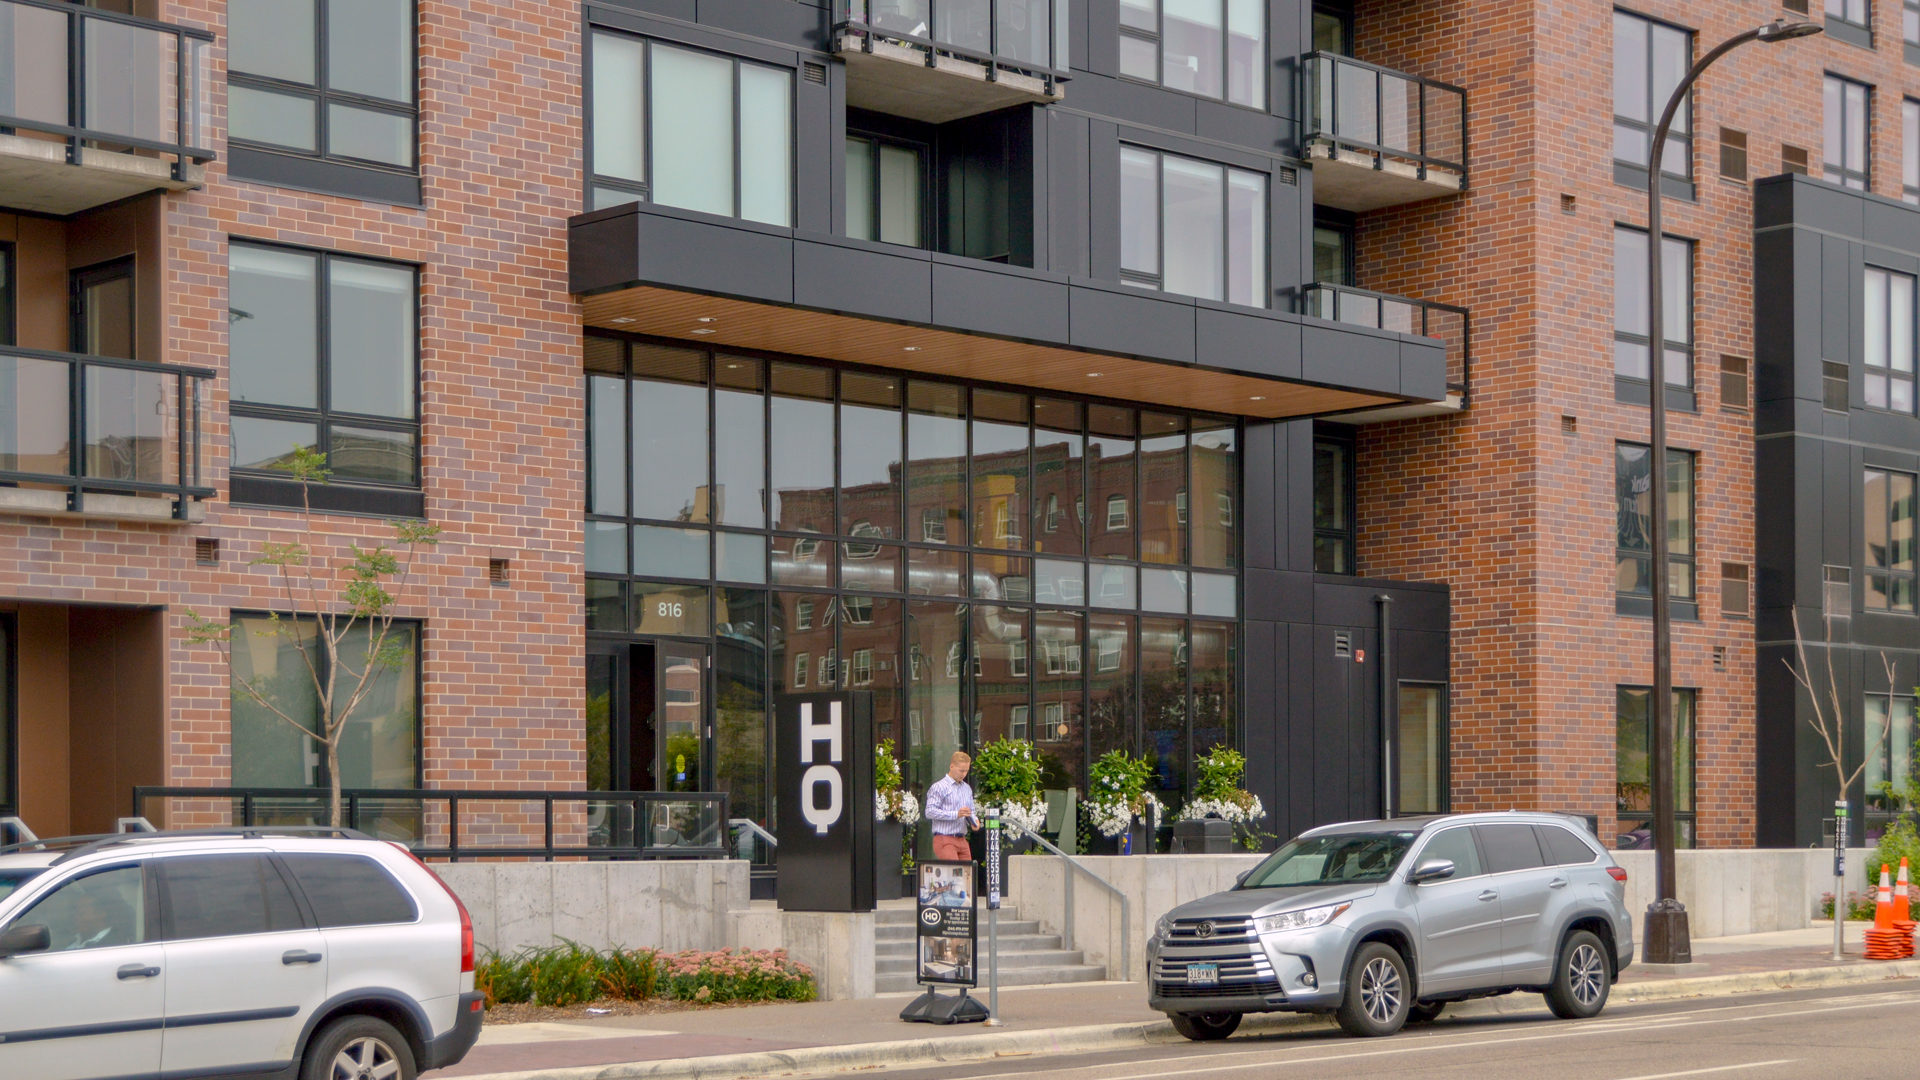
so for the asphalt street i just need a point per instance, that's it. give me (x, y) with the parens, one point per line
(1857, 1032)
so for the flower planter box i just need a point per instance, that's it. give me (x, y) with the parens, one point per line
(1210, 836)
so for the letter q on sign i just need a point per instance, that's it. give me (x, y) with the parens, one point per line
(820, 775)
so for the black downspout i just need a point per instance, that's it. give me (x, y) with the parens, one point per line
(1384, 602)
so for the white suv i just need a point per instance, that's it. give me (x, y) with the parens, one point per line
(311, 953)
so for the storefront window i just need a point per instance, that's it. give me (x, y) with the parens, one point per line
(1633, 765)
(379, 744)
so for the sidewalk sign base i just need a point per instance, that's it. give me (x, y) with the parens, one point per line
(933, 1007)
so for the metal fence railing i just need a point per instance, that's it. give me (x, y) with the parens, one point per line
(1388, 114)
(92, 424)
(100, 78)
(1028, 37)
(1382, 311)
(472, 823)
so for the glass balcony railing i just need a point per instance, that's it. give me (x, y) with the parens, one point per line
(1028, 37)
(100, 79)
(1403, 121)
(1380, 311)
(76, 426)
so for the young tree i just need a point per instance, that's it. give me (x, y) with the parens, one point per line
(323, 606)
(1829, 720)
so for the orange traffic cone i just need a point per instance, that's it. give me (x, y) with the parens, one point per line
(1883, 901)
(1901, 912)
(1884, 942)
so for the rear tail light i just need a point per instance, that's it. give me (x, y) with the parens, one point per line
(1618, 873)
(466, 920)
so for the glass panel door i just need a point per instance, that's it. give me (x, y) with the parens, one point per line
(679, 719)
(1420, 750)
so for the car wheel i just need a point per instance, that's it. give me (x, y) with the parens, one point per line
(1425, 1012)
(1581, 978)
(359, 1048)
(1377, 996)
(1205, 1027)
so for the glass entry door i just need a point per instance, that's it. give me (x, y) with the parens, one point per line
(647, 716)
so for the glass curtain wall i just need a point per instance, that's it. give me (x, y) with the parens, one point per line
(985, 562)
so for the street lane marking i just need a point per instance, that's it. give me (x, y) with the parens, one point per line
(1715, 1069)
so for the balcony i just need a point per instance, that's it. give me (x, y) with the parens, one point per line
(96, 107)
(941, 60)
(137, 427)
(1380, 138)
(1445, 323)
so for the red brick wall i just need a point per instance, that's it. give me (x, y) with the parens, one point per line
(500, 159)
(1513, 502)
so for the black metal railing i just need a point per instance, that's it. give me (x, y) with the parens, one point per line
(473, 823)
(1028, 37)
(1387, 114)
(92, 424)
(102, 78)
(1383, 311)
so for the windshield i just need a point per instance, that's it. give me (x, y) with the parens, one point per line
(1334, 859)
(13, 879)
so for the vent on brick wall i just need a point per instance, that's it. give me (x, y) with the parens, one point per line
(1569, 424)
(1733, 383)
(1569, 204)
(1793, 159)
(206, 551)
(496, 571)
(1289, 175)
(1836, 596)
(1733, 154)
(1798, 7)
(1736, 592)
(814, 73)
(1719, 658)
(1343, 645)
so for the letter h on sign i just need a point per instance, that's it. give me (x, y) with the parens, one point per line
(824, 774)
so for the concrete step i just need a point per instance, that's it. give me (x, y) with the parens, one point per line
(1024, 943)
(1009, 961)
(1033, 976)
(906, 931)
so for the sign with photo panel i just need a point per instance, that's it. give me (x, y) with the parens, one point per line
(946, 909)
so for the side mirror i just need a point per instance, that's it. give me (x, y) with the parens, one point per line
(1431, 870)
(19, 938)
(1240, 878)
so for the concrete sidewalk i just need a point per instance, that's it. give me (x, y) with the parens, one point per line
(759, 1040)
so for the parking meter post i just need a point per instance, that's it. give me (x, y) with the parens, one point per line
(993, 917)
(1840, 905)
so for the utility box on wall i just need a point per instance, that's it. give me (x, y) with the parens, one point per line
(824, 746)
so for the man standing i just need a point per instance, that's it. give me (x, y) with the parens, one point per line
(950, 808)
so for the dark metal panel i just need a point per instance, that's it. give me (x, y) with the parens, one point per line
(1419, 655)
(1885, 429)
(1138, 103)
(1350, 356)
(1238, 340)
(863, 279)
(672, 9)
(1096, 39)
(713, 257)
(1035, 196)
(1289, 243)
(325, 177)
(1103, 199)
(1297, 502)
(602, 249)
(1261, 540)
(1773, 533)
(1837, 260)
(1423, 370)
(1774, 741)
(819, 151)
(785, 21)
(1131, 321)
(990, 299)
(1290, 30)
(1262, 709)
(1067, 186)
(1297, 780)
(1779, 259)
(1240, 126)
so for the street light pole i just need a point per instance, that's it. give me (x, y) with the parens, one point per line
(1666, 938)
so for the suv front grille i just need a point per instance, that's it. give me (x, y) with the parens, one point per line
(1208, 932)
(1239, 975)
(1263, 988)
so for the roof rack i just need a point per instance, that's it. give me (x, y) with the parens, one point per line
(77, 846)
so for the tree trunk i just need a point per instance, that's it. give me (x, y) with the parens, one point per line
(333, 782)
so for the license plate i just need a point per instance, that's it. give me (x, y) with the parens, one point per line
(1203, 974)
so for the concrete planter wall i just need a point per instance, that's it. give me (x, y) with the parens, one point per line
(663, 904)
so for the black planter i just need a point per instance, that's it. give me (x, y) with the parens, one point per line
(886, 860)
(1131, 842)
(1210, 836)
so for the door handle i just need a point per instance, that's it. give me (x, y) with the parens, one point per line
(299, 956)
(1557, 883)
(1489, 895)
(136, 971)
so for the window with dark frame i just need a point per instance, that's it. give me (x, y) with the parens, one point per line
(1633, 765)
(1733, 154)
(1887, 341)
(330, 79)
(1888, 733)
(1910, 24)
(1889, 535)
(1332, 252)
(1634, 493)
(691, 129)
(382, 744)
(1193, 227)
(323, 352)
(1212, 48)
(886, 190)
(1630, 336)
(1649, 60)
(1856, 13)
(1909, 151)
(1333, 512)
(1847, 123)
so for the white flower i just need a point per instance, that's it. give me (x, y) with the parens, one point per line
(1224, 809)
(1020, 819)
(1111, 818)
(901, 806)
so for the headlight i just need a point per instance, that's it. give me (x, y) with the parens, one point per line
(1164, 928)
(1304, 919)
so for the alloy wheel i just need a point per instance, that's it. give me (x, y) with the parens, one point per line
(1585, 971)
(1380, 989)
(365, 1058)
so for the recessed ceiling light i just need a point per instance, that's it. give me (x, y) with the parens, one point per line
(1258, 397)
(1093, 374)
(704, 330)
(733, 367)
(706, 318)
(623, 319)
(911, 348)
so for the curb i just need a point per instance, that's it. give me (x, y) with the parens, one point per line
(1094, 1038)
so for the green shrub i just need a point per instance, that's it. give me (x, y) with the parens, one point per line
(1901, 840)
(565, 974)
(630, 974)
(504, 979)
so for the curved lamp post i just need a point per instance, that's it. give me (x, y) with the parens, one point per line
(1666, 938)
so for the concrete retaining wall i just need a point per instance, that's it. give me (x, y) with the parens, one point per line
(666, 904)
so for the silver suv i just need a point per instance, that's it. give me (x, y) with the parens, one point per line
(237, 953)
(1382, 922)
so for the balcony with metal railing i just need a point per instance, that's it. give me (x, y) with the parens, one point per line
(88, 436)
(96, 106)
(1450, 325)
(1379, 138)
(941, 60)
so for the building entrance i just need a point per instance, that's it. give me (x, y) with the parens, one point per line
(648, 722)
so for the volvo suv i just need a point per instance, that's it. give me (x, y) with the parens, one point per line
(235, 953)
(1382, 922)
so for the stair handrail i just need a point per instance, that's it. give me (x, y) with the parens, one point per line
(1126, 912)
(11, 826)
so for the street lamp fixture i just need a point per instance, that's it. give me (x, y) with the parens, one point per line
(1666, 938)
